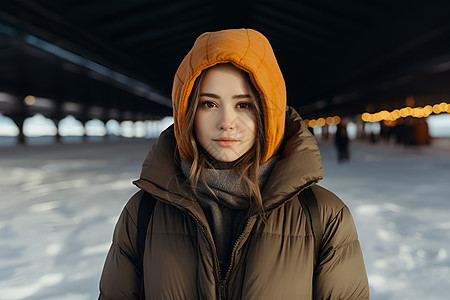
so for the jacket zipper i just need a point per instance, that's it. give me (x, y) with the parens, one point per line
(221, 285)
(238, 240)
(222, 290)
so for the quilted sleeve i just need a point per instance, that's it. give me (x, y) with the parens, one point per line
(120, 277)
(341, 272)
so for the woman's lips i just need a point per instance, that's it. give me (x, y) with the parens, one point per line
(226, 142)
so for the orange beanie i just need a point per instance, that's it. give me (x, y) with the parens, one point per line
(251, 52)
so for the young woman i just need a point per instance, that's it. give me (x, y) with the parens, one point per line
(228, 223)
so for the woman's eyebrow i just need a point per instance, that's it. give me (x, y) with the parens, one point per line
(243, 96)
(211, 95)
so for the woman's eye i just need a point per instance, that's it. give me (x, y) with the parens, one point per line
(208, 104)
(245, 105)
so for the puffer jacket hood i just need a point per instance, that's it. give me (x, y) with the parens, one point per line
(251, 52)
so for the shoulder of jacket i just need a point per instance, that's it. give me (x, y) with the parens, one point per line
(132, 205)
(327, 201)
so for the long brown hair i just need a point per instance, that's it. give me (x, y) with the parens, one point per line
(247, 165)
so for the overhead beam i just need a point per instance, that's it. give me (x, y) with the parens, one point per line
(314, 30)
(123, 22)
(175, 29)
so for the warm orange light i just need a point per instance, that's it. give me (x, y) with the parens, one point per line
(322, 121)
(379, 116)
(395, 114)
(366, 117)
(420, 112)
(417, 112)
(410, 101)
(384, 114)
(436, 109)
(389, 123)
(408, 111)
(427, 110)
(29, 100)
(404, 112)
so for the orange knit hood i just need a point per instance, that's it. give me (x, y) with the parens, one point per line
(251, 52)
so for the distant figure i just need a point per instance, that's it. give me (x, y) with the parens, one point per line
(341, 141)
(399, 131)
(422, 133)
(385, 132)
(373, 138)
(409, 137)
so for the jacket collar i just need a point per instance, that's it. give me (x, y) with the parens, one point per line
(299, 165)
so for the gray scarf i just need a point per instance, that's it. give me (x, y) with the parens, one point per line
(226, 214)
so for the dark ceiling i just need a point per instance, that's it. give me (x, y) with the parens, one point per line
(338, 57)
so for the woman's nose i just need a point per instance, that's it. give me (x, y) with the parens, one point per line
(227, 120)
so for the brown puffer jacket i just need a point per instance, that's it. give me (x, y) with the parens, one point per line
(271, 260)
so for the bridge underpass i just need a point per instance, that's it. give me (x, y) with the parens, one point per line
(96, 59)
(116, 60)
(42, 78)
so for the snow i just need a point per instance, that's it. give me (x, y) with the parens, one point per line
(38, 125)
(400, 200)
(59, 204)
(58, 207)
(439, 125)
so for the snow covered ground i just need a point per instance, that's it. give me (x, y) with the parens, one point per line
(59, 204)
(400, 200)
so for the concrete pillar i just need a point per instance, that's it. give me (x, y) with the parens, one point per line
(21, 111)
(105, 137)
(19, 115)
(85, 136)
(57, 135)
(19, 120)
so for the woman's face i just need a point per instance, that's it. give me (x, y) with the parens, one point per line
(225, 122)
